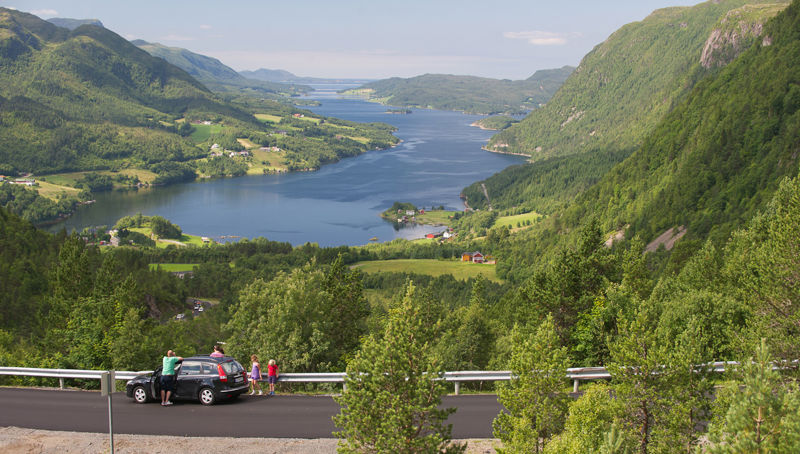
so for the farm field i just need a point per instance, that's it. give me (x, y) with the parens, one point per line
(201, 133)
(460, 270)
(521, 219)
(186, 240)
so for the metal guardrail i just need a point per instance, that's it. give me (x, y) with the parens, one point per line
(576, 374)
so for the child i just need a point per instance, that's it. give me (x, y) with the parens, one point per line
(255, 376)
(272, 376)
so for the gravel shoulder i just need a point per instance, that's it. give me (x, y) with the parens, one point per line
(16, 440)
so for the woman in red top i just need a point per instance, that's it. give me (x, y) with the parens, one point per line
(272, 376)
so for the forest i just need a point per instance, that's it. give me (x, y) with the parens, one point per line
(583, 286)
(469, 94)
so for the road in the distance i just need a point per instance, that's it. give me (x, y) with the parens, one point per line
(248, 416)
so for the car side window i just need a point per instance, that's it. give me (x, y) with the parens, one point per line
(209, 369)
(191, 368)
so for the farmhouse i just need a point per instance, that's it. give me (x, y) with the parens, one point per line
(474, 257)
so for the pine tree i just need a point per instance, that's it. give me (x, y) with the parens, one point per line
(535, 397)
(764, 416)
(393, 389)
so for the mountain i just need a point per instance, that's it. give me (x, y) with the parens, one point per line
(708, 167)
(621, 90)
(80, 99)
(719, 155)
(72, 24)
(282, 76)
(270, 75)
(212, 72)
(626, 84)
(469, 94)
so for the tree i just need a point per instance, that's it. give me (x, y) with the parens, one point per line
(535, 397)
(307, 320)
(588, 422)
(393, 392)
(764, 415)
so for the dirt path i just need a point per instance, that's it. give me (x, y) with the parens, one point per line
(15, 440)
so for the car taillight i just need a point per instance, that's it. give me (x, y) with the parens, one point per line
(222, 376)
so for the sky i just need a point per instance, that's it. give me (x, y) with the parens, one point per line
(375, 39)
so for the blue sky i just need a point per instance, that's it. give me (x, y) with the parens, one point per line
(368, 39)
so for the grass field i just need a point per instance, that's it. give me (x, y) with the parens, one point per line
(173, 267)
(441, 217)
(186, 240)
(274, 162)
(71, 178)
(201, 133)
(459, 270)
(52, 191)
(522, 219)
(268, 117)
(246, 143)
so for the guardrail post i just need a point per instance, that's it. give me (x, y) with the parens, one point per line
(575, 385)
(61, 383)
(458, 387)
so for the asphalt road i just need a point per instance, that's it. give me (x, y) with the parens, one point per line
(249, 416)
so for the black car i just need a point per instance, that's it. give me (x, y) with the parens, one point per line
(205, 378)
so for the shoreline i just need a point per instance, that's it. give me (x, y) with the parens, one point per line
(505, 152)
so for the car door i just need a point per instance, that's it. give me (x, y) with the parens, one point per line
(189, 377)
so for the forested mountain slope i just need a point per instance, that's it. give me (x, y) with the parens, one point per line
(79, 99)
(626, 84)
(718, 156)
(468, 93)
(621, 90)
(711, 164)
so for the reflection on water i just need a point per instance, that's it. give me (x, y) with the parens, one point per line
(339, 204)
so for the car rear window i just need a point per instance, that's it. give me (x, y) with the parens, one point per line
(232, 367)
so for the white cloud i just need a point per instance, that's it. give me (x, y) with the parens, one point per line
(541, 38)
(205, 27)
(45, 12)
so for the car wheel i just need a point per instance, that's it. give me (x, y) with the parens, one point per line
(140, 395)
(206, 396)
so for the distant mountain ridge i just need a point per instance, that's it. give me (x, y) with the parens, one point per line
(212, 72)
(283, 76)
(72, 24)
(470, 94)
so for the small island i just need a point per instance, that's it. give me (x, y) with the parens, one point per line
(399, 111)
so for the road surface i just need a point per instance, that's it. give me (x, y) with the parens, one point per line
(281, 416)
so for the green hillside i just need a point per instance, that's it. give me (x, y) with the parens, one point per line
(710, 165)
(626, 84)
(718, 157)
(213, 73)
(621, 90)
(75, 101)
(469, 94)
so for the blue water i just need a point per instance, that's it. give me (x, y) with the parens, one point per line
(337, 205)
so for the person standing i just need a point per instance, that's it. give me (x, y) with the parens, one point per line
(255, 376)
(168, 376)
(272, 376)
